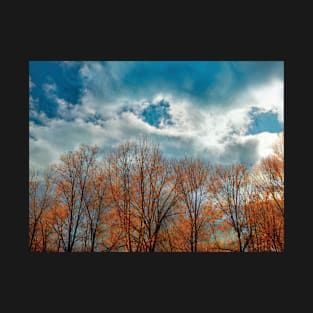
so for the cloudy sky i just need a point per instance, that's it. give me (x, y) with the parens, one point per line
(221, 111)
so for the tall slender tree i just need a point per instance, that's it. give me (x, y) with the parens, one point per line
(71, 177)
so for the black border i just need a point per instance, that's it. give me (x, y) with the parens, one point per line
(216, 279)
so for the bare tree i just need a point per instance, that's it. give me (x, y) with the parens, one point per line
(71, 178)
(119, 173)
(142, 190)
(192, 178)
(40, 200)
(153, 194)
(136, 200)
(267, 209)
(96, 205)
(229, 190)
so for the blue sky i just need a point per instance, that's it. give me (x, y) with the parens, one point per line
(221, 111)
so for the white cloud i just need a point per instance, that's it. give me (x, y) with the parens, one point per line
(58, 136)
(34, 113)
(38, 115)
(214, 130)
(49, 89)
(217, 131)
(42, 154)
(31, 83)
(215, 134)
(266, 97)
(265, 142)
(65, 110)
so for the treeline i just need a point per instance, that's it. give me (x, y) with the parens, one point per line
(135, 200)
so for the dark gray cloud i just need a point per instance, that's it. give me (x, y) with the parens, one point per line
(241, 152)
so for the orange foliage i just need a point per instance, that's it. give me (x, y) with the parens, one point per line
(135, 200)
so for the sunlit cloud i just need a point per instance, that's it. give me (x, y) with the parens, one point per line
(201, 109)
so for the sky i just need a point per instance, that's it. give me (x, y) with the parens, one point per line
(218, 111)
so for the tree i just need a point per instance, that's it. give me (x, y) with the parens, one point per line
(229, 190)
(136, 200)
(71, 178)
(118, 167)
(54, 221)
(153, 194)
(267, 209)
(40, 200)
(96, 206)
(269, 176)
(192, 178)
(142, 191)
